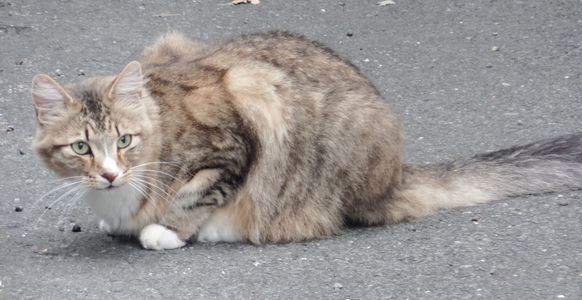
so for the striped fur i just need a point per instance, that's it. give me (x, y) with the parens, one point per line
(269, 138)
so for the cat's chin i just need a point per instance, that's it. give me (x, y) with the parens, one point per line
(109, 187)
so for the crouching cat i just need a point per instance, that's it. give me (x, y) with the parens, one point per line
(264, 138)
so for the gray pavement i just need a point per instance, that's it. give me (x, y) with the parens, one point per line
(465, 78)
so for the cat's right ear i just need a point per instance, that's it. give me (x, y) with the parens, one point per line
(50, 99)
(128, 85)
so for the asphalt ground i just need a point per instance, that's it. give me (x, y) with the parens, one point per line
(465, 77)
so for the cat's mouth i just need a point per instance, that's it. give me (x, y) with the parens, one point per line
(105, 188)
(108, 187)
(109, 182)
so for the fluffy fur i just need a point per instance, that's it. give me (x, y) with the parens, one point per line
(264, 138)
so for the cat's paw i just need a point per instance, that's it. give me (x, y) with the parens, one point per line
(105, 227)
(158, 237)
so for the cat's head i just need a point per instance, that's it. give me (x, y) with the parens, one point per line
(98, 128)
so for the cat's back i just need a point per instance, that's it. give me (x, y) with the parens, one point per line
(270, 76)
(306, 62)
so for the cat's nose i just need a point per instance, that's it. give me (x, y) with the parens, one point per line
(109, 176)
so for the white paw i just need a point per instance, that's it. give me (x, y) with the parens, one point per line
(158, 237)
(209, 234)
(219, 228)
(103, 226)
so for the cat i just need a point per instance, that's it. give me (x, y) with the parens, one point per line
(267, 137)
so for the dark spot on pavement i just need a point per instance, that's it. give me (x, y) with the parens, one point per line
(76, 228)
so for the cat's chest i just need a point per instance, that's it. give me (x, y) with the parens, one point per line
(116, 206)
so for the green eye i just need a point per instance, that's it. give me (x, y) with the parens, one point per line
(124, 141)
(81, 148)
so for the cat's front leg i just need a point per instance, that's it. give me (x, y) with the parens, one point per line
(208, 190)
(111, 228)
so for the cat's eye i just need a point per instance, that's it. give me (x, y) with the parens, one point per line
(81, 148)
(124, 141)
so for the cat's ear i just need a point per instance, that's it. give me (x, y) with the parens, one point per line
(50, 99)
(128, 85)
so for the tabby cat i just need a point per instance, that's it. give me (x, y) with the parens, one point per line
(265, 138)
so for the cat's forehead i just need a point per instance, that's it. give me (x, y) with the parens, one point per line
(91, 94)
(94, 108)
(104, 116)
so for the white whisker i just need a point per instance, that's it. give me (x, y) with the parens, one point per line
(63, 179)
(63, 196)
(138, 185)
(160, 163)
(141, 189)
(159, 189)
(159, 172)
(64, 185)
(73, 201)
(141, 176)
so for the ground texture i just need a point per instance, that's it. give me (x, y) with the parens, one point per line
(464, 77)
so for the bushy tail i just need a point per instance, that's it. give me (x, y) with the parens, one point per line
(541, 167)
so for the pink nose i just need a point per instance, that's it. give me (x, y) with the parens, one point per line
(109, 176)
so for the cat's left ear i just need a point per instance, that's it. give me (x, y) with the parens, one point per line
(128, 85)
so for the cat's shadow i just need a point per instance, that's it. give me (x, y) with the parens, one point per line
(97, 245)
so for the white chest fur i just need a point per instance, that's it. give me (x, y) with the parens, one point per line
(115, 207)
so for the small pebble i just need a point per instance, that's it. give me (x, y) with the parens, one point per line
(475, 221)
(21, 152)
(338, 285)
(494, 48)
(76, 228)
(563, 203)
(18, 209)
(9, 128)
(349, 34)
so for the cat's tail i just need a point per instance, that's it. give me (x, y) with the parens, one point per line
(546, 166)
